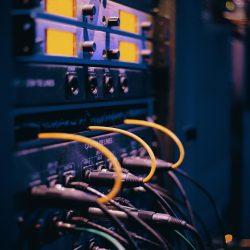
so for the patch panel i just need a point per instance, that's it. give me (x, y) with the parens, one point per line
(39, 84)
(27, 126)
(54, 161)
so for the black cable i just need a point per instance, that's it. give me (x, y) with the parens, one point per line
(159, 197)
(163, 165)
(162, 207)
(174, 178)
(182, 214)
(175, 202)
(153, 217)
(175, 205)
(79, 247)
(212, 202)
(197, 216)
(194, 231)
(143, 239)
(85, 221)
(119, 224)
(59, 196)
(117, 205)
(161, 200)
(124, 202)
(135, 218)
(128, 180)
(196, 234)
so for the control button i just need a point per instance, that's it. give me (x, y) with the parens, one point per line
(72, 87)
(146, 26)
(124, 84)
(109, 84)
(89, 46)
(111, 53)
(92, 81)
(88, 10)
(112, 21)
(146, 53)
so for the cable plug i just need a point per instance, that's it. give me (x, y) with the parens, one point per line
(161, 218)
(59, 196)
(124, 170)
(107, 178)
(149, 216)
(166, 218)
(144, 163)
(78, 185)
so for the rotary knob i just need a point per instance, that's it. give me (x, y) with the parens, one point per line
(111, 53)
(89, 46)
(88, 10)
(146, 53)
(146, 26)
(113, 21)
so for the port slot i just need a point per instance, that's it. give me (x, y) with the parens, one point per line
(71, 85)
(28, 126)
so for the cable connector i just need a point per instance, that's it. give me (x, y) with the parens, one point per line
(161, 218)
(59, 196)
(166, 218)
(103, 178)
(145, 163)
(149, 216)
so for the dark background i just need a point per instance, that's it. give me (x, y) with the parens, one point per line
(211, 114)
(210, 111)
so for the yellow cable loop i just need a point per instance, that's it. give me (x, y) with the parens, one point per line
(165, 131)
(136, 138)
(105, 151)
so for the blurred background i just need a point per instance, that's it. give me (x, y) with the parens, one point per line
(212, 104)
(205, 100)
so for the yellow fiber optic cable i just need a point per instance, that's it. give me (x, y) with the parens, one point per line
(165, 131)
(105, 151)
(136, 138)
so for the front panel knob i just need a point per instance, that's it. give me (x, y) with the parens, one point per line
(111, 53)
(88, 10)
(146, 26)
(113, 21)
(89, 46)
(146, 53)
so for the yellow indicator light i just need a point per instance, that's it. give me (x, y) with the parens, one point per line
(61, 7)
(128, 52)
(60, 43)
(228, 238)
(128, 22)
(230, 5)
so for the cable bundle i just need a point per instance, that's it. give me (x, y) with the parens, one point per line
(168, 223)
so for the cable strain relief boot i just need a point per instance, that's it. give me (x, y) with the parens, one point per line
(166, 218)
(133, 180)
